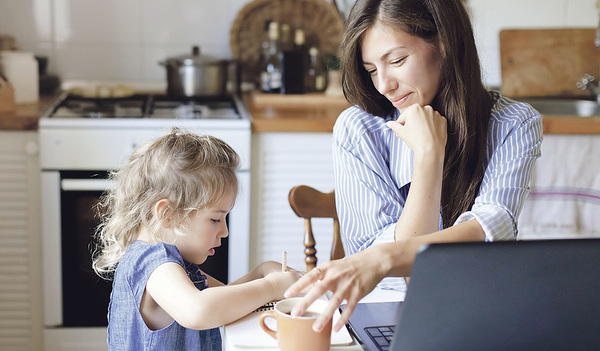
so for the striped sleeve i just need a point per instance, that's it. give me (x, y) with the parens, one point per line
(514, 144)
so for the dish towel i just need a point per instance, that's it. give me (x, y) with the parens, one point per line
(565, 190)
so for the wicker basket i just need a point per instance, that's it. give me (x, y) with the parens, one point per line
(322, 23)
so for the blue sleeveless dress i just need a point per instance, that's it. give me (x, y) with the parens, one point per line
(126, 327)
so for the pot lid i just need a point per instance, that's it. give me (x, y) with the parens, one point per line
(194, 59)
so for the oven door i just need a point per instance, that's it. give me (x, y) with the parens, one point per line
(74, 296)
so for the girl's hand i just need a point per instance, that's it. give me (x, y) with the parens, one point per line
(350, 279)
(282, 280)
(422, 128)
(268, 267)
(261, 271)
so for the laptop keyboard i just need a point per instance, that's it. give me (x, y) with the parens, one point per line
(381, 336)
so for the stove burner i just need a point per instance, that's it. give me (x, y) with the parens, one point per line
(193, 109)
(76, 106)
(146, 106)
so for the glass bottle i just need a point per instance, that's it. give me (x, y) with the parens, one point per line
(271, 71)
(286, 40)
(300, 46)
(316, 75)
(293, 68)
(262, 55)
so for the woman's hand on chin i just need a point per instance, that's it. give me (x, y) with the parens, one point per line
(422, 128)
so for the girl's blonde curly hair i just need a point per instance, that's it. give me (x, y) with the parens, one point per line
(190, 171)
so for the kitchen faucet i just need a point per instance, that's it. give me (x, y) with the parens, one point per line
(589, 82)
(597, 41)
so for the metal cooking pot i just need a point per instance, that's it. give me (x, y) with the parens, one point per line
(197, 75)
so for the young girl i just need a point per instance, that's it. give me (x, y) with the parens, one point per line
(162, 218)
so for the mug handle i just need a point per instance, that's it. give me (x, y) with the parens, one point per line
(264, 326)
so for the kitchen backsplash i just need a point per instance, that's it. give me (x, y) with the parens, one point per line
(124, 40)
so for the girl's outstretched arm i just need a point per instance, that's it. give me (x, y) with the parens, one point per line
(213, 282)
(170, 292)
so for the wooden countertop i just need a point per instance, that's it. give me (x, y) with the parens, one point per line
(317, 113)
(571, 125)
(25, 116)
(293, 113)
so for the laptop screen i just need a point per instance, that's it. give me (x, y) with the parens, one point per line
(523, 295)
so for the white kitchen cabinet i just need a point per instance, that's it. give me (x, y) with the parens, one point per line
(20, 250)
(564, 201)
(279, 162)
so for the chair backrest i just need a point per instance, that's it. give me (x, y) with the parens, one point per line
(310, 203)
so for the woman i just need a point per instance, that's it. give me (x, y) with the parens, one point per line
(426, 155)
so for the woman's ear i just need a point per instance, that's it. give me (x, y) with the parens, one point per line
(161, 209)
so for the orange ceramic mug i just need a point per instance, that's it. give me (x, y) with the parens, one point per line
(296, 333)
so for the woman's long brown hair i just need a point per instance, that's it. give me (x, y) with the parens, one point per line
(461, 96)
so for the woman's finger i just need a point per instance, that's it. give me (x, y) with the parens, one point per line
(326, 315)
(316, 291)
(301, 284)
(396, 127)
(315, 288)
(348, 309)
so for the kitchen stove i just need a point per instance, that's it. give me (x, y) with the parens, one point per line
(81, 141)
(79, 133)
(145, 106)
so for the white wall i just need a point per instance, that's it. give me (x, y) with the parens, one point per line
(118, 39)
(125, 39)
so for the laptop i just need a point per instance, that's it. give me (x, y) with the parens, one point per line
(523, 295)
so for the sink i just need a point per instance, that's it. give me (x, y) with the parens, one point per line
(565, 107)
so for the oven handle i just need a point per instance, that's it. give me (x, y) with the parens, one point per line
(85, 184)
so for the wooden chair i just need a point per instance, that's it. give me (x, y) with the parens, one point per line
(310, 203)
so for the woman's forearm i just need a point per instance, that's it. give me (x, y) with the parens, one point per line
(424, 131)
(421, 213)
(354, 276)
(398, 257)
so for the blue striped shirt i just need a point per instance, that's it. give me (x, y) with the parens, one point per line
(373, 170)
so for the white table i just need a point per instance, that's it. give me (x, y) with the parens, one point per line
(377, 295)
